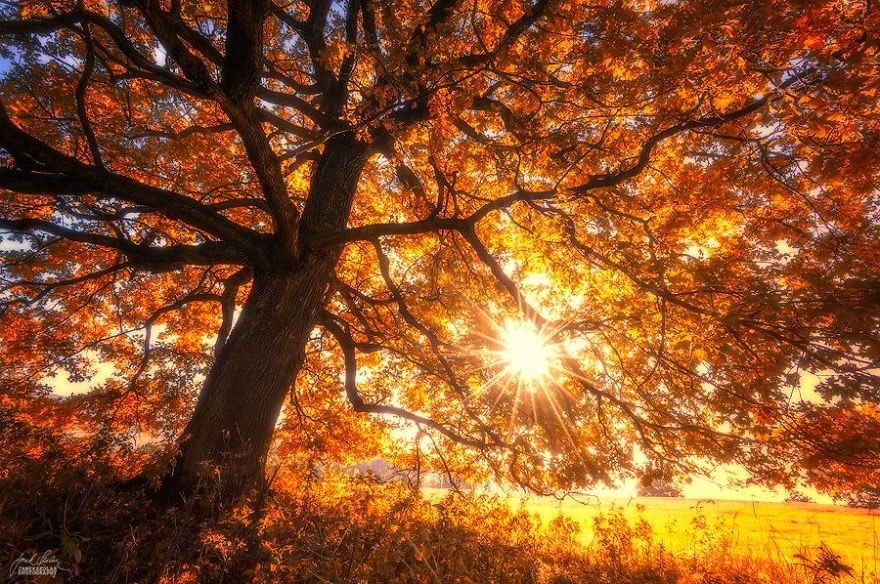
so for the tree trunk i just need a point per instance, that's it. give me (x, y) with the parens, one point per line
(232, 424)
(229, 434)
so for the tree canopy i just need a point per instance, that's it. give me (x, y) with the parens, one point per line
(562, 243)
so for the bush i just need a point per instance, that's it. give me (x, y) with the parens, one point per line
(340, 528)
(798, 497)
(659, 488)
(865, 498)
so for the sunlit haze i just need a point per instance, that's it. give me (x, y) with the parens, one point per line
(526, 352)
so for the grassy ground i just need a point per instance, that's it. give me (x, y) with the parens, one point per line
(773, 531)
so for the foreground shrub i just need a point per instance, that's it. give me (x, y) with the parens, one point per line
(354, 529)
(325, 527)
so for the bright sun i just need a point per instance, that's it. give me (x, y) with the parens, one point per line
(526, 352)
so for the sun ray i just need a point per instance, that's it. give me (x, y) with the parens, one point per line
(516, 399)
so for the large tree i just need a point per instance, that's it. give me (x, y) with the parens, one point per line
(567, 241)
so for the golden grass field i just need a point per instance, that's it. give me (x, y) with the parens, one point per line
(772, 531)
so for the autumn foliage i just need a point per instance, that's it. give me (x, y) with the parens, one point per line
(276, 236)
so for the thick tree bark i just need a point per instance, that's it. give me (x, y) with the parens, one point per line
(235, 415)
(234, 419)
